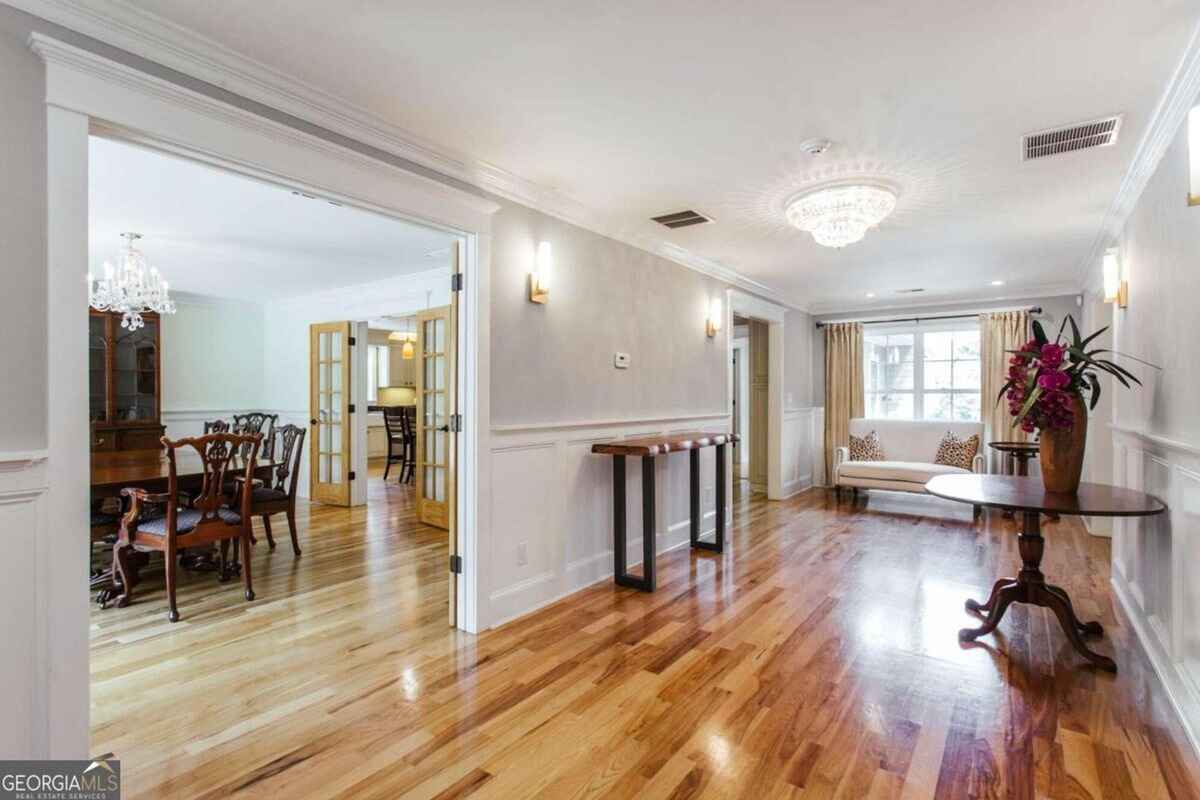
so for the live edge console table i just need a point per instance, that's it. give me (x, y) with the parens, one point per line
(647, 447)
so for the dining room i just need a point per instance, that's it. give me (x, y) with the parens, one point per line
(237, 479)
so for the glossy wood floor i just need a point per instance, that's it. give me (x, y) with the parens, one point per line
(816, 658)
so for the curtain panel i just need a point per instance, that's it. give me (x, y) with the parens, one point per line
(843, 385)
(998, 333)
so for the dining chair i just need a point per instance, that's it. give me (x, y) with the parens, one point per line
(278, 496)
(215, 426)
(254, 423)
(200, 520)
(393, 422)
(408, 428)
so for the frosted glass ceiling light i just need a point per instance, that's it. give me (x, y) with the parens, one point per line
(841, 214)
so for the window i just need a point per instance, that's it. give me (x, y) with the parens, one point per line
(378, 361)
(915, 373)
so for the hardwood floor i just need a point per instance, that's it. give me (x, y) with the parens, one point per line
(816, 658)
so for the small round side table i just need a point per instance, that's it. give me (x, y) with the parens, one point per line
(1017, 456)
(1028, 497)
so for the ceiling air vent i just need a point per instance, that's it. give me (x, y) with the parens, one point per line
(909, 291)
(1097, 133)
(681, 219)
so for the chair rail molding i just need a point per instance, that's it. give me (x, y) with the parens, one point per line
(156, 39)
(1172, 109)
(1153, 560)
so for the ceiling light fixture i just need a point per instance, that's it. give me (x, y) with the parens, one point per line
(841, 214)
(997, 283)
(131, 289)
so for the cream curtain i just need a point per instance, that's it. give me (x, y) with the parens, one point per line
(998, 333)
(843, 385)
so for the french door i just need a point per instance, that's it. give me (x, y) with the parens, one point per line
(437, 423)
(329, 406)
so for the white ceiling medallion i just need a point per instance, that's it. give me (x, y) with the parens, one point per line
(840, 214)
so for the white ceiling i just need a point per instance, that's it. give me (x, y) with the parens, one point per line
(220, 234)
(637, 109)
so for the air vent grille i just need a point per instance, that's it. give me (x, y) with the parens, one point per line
(682, 219)
(909, 291)
(1097, 133)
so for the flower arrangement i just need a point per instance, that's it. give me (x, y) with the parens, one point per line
(1045, 377)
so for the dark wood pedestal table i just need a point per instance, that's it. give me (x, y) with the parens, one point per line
(1029, 498)
(646, 448)
(1017, 456)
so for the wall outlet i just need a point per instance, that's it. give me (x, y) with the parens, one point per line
(522, 554)
(621, 360)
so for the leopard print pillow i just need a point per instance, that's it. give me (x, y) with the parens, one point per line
(866, 448)
(956, 452)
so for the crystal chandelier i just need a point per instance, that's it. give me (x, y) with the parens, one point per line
(841, 214)
(131, 288)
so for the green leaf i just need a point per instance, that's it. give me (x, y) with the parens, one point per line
(1095, 393)
(1089, 339)
(1039, 333)
(1028, 404)
(1074, 330)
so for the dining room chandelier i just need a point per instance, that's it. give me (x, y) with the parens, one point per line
(131, 288)
(841, 214)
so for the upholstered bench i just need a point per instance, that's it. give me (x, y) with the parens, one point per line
(910, 448)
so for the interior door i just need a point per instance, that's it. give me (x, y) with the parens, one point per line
(329, 405)
(437, 428)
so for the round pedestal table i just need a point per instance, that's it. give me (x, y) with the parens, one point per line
(1027, 497)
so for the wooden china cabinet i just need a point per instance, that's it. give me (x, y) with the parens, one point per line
(124, 383)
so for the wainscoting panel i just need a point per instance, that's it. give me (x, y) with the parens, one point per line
(799, 434)
(23, 662)
(552, 506)
(1154, 562)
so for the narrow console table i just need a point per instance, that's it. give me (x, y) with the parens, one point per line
(647, 447)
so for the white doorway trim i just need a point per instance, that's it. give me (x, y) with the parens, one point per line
(87, 93)
(747, 305)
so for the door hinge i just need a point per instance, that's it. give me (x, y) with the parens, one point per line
(456, 423)
(456, 282)
(353, 341)
(351, 474)
(456, 565)
(350, 409)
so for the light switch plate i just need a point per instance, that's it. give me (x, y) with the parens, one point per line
(621, 360)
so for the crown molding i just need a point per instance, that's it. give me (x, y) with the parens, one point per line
(146, 35)
(1171, 112)
(1039, 292)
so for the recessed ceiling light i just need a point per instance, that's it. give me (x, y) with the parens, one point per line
(997, 283)
(870, 294)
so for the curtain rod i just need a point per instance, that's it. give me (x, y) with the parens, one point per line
(1030, 309)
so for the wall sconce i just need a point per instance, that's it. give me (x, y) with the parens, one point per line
(1115, 289)
(715, 317)
(539, 279)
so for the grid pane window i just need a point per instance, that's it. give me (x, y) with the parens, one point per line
(922, 374)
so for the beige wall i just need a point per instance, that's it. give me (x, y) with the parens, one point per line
(554, 362)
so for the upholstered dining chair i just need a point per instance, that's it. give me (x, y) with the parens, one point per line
(254, 422)
(278, 494)
(202, 520)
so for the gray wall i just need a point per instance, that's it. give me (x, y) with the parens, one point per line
(798, 330)
(23, 233)
(1159, 250)
(1054, 311)
(554, 362)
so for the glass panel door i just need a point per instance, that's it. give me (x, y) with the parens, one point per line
(329, 380)
(434, 392)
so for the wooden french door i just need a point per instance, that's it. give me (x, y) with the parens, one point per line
(438, 423)
(329, 406)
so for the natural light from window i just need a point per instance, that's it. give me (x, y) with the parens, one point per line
(378, 361)
(923, 373)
